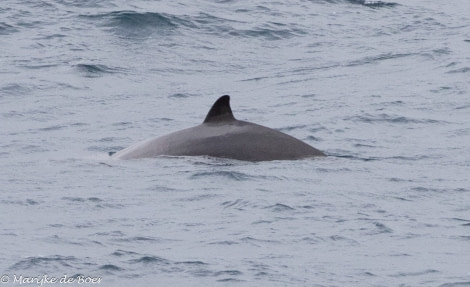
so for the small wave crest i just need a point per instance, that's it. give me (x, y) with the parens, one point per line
(131, 24)
(233, 175)
(367, 3)
(48, 262)
(269, 32)
(95, 70)
(393, 119)
(6, 29)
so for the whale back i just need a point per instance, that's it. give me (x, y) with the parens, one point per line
(221, 135)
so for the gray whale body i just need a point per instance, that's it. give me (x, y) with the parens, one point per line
(223, 136)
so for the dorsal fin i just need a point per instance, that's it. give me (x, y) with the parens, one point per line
(220, 111)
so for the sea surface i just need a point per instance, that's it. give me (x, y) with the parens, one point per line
(383, 88)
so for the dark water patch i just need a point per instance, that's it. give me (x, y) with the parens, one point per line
(159, 120)
(13, 115)
(85, 225)
(418, 273)
(52, 128)
(238, 204)
(462, 237)
(376, 59)
(262, 222)
(225, 242)
(426, 190)
(110, 150)
(191, 263)
(141, 239)
(268, 32)
(396, 179)
(343, 155)
(121, 253)
(458, 71)
(95, 199)
(402, 254)
(81, 199)
(150, 259)
(373, 4)
(368, 146)
(57, 240)
(136, 25)
(342, 239)
(199, 197)
(26, 202)
(441, 89)
(381, 229)
(232, 175)
(115, 233)
(181, 95)
(366, 3)
(387, 118)
(49, 262)
(213, 25)
(228, 273)
(16, 89)
(311, 240)
(40, 66)
(84, 3)
(6, 29)
(456, 284)
(463, 107)
(279, 207)
(464, 222)
(291, 128)
(110, 268)
(96, 70)
(229, 280)
(163, 188)
(257, 242)
(123, 125)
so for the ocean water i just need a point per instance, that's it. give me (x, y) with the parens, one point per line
(381, 87)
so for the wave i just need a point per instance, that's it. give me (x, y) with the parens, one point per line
(44, 262)
(96, 70)
(268, 32)
(232, 175)
(131, 24)
(367, 3)
(137, 25)
(6, 29)
(378, 58)
(111, 268)
(394, 119)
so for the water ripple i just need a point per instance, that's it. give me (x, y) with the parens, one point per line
(233, 175)
(6, 29)
(34, 262)
(111, 268)
(456, 284)
(387, 118)
(96, 70)
(366, 3)
(135, 25)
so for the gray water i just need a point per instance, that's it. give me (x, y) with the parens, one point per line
(381, 87)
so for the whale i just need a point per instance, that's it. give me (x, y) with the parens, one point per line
(221, 135)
